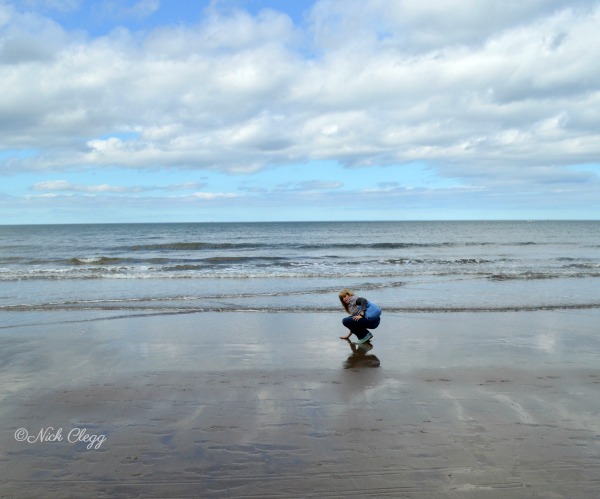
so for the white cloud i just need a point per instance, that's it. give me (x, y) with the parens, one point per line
(63, 185)
(214, 195)
(478, 89)
(416, 27)
(66, 186)
(310, 186)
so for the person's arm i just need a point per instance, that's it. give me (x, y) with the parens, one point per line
(362, 303)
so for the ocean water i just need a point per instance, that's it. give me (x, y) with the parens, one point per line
(120, 269)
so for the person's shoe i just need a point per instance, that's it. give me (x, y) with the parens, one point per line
(366, 338)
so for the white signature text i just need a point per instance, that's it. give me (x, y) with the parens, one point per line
(50, 434)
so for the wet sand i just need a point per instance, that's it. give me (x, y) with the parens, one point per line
(276, 405)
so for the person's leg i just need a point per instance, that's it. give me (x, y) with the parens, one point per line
(373, 323)
(356, 327)
(364, 325)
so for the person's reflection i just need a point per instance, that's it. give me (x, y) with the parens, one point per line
(360, 357)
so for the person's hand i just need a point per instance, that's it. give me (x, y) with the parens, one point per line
(357, 317)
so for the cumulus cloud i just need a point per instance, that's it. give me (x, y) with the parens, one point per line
(473, 88)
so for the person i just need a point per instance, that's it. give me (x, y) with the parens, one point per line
(356, 322)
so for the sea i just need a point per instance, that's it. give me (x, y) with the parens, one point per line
(115, 270)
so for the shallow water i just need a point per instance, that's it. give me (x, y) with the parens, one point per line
(297, 267)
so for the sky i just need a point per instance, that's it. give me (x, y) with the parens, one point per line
(285, 110)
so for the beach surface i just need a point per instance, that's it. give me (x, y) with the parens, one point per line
(276, 405)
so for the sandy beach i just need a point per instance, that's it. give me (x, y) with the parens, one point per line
(276, 405)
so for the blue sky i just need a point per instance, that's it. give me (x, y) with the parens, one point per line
(234, 110)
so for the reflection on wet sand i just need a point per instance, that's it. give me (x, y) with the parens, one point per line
(360, 357)
(266, 405)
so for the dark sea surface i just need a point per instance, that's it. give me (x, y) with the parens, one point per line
(120, 269)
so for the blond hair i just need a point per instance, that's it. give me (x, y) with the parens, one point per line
(342, 294)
